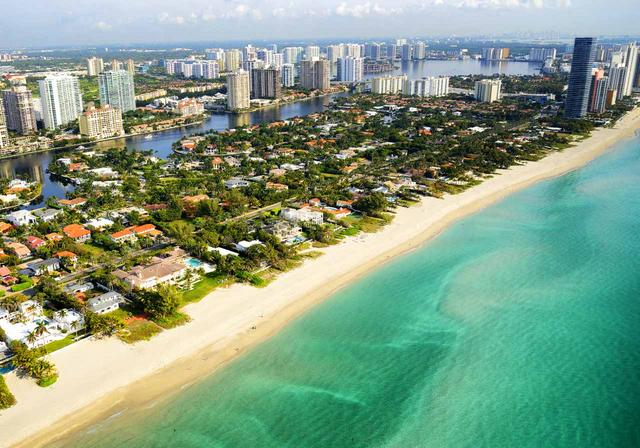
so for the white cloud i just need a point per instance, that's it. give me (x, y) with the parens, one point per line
(103, 26)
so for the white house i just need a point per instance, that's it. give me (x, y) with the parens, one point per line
(243, 245)
(222, 251)
(21, 218)
(302, 215)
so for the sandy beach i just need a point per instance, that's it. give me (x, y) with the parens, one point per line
(99, 378)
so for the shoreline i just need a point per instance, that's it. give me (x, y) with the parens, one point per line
(100, 378)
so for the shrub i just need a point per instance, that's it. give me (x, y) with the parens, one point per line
(6, 397)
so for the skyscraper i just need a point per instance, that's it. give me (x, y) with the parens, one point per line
(312, 52)
(350, 69)
(232, 60)
(103, 122)
(266, 83)
(18, 107)
(4, 134)
(288, 75)
(238, 90)
(580, 78)
(489, 90)
(61, 100)
(130, 66)
(116, 90)
(630, 52)
(95, 66)
(598, 93)
(315, 74)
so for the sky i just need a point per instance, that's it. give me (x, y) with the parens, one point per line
(33, 23)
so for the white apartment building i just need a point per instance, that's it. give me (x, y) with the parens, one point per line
(387, 85)
(488, 90)
(425, 87)
(117, 90)
(238, 90)
(61, 100)
(95, 66)
(103, 122)
(288, 74)
(350, 69)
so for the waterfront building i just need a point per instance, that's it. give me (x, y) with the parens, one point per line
(495, 54)
(436, 86)
(232, 60)
(117, 90)
(630, 53)
(353, 50)
(19, 111)
(350, 69)
(102, 122)
(617, 76)
(61, 100)
(420, 51)
(288, 75)
(4, 134)
(386, 85)
(599, 91)
(266, 83)
(580, 77)
(312, 52)
(488, 90)
(541, 54)
(392, 50)
(314, 74)
(95, 66)
(406, 52)
(238, 90)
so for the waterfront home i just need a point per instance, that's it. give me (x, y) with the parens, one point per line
(222, 251)
(34, 242)
(68, 320)
(337, 213)
(104, 172)
(77, 233)
(302, 215)
(156, 272)
(105, 303)
(21, 218)
(284, 231)
(46, 214)
(44, 266)
(244, 246)
(30, 326)
(72, 203)
(19, 249)
(8, 198)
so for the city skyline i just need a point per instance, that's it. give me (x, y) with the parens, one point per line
(142, 21)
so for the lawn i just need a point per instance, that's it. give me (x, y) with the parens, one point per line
(138, 329)
(209, 282)
(57, 345)
(175, 320)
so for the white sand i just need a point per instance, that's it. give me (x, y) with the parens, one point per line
(98, 376)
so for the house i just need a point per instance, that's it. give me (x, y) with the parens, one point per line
(46, 214)
(34, 242)
(5, 227)
(53, 237)
(77, 233)
(68, 320)
(222, 251)
(99, 223)
(217, 163)
(44, 266)
(121, 236)
(243, 245)
(66, 255)
(21, 218)
(105, 172)
(105, 303)
(302, 215)
(19, 249)
(284, 231)
(344, 203)
(235, 182)
(276, 186)
(130, 233)
(156, 272)
(4, 271)
(72, 203)
(337, 213)
(75, 288)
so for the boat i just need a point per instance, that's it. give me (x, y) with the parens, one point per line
(148, 136)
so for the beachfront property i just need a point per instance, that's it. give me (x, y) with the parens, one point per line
(222, 251)
(284, 231)
(170, 270)
(105, 303)
(29, 325)
(302, 215)
(244, 246)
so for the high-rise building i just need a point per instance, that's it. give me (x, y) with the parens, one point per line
(18, 107)
(392, 50)
(617, 75)
(630, 52)
(598, 94)
(266, 83)
(386, 85)
(249, 53)
(350, 69)
(115, 65)
(334, 52)
(374, 51)
(130, 66)
(541, 54)
(312, 52)
(232, 60)
(353, 50)
(117, 90)
(214, 54)
(495, 54)
(102, 122)
(488, 90)
(315, 74)
(426, 87)
(288, 75)
(238, 90)
(277, 60)
(95, 66)
(4, 134)
(420, 51)
(580, 77)
(292, 55)
(407, 53)
(61, 100)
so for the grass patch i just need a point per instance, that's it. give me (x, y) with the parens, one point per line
(209, 283)
(139, 330)
(175, 320)
(351, 231)
(47, 380)
(59, 344)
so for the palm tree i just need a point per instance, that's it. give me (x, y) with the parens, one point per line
(41, 328)
(31, 338)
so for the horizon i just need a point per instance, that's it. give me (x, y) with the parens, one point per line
(143, 23)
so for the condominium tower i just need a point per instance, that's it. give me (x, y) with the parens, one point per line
(580, 78)
(18, 107)
(61, 100)
(238, 90)
(314, 74)
(116, 90)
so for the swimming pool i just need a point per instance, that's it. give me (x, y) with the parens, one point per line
(193, 263)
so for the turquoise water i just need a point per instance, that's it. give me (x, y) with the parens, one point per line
(518, 327)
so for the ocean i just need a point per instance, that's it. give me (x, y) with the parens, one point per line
(517, 327)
